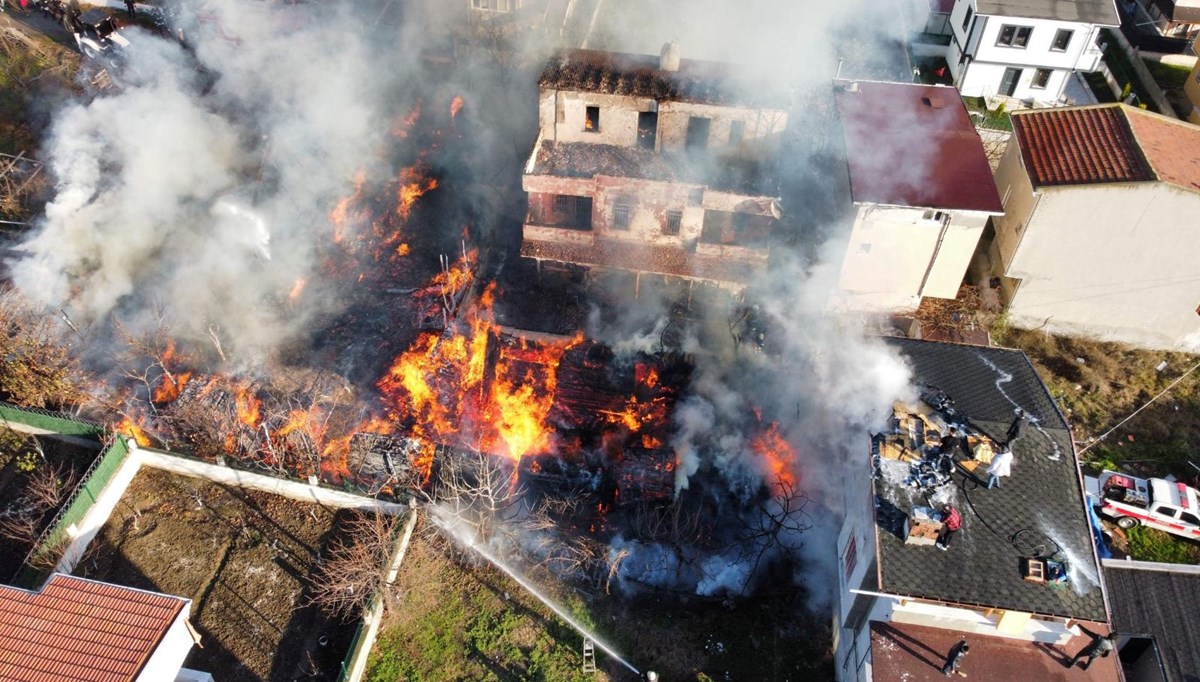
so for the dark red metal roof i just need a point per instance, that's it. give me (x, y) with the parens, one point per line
(909, 144)
(76, 629)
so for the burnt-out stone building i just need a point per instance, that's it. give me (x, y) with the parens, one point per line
(653, 165)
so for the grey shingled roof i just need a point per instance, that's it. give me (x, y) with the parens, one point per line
(1161, 604)
(1041, 503)
(1103, 12)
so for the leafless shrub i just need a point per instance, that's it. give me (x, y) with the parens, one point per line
(355, 567)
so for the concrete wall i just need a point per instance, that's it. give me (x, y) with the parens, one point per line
(563, 115)
(1116, 262)
(168, 656)
(891, 249)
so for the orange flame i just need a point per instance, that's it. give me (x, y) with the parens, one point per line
(170, 388)
(134, 430)
(249, 407)
(405, 124)
(297, 289)
(450, 392)
(414, 184)
(340, 215)
(778, 455)
(456, 106)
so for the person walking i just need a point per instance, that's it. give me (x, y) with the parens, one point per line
(954, 659)
(951, 522)
(130, 9)
(1016, 430)
(1000, 467)
(1101, 645)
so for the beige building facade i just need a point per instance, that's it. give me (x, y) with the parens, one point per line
(1099, 231)
(653, 165)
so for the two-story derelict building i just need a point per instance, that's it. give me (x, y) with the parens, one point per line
(653, 165)
(1023, 49)
(1019, 581)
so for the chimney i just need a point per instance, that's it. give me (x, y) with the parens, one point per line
(669, 60)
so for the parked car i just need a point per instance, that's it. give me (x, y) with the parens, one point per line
(1169, 506)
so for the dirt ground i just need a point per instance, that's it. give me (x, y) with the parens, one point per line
(243, 557)
(457, 621)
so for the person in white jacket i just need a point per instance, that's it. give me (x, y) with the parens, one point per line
(1001, 466)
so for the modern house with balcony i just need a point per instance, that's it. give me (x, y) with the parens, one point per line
(652, 165)
(1022, 50)
(1018, 581)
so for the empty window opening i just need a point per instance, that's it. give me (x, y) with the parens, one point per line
(1041, 78)
(1014, 36)
(591, 121)
(737, 132)
(697, 132)
(621, 213)
(1062, 39)
(674, 220)
(572, 212)
(647, 129)
(967, 18)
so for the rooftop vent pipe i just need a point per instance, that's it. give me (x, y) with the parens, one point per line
(669, 59)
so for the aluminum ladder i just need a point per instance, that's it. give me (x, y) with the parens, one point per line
(589, 655)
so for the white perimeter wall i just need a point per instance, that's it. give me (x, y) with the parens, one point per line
(890, 250)
(1117, 262)
(167, 659)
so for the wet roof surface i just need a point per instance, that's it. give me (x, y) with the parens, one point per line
(1039, 506)
(915, 653)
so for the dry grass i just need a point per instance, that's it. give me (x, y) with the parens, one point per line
(1097, 384)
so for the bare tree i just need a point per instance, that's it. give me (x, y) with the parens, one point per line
(355, 568)
(480, 490)
(776, 529)
(46, 486)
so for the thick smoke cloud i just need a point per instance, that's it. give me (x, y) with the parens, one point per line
(206, 181)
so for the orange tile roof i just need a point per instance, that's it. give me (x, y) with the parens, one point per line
(1172, 147)
(77, 629)
(1107, 143)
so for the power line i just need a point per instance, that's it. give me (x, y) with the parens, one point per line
(1135, 412)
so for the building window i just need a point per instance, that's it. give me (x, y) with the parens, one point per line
(647, 129)
(697, 133)
(572, 212)
(1014, 36)
(674, 219)
(621, 212)
(564, 205)
(737, 132)
(1062, 39)
(591, 121)
(1041, 78)
(936, 216)
(967, 19)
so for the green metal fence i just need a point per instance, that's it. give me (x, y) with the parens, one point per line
(91, 484)
(46, 420)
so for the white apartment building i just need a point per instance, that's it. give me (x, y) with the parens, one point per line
(1025, 50)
